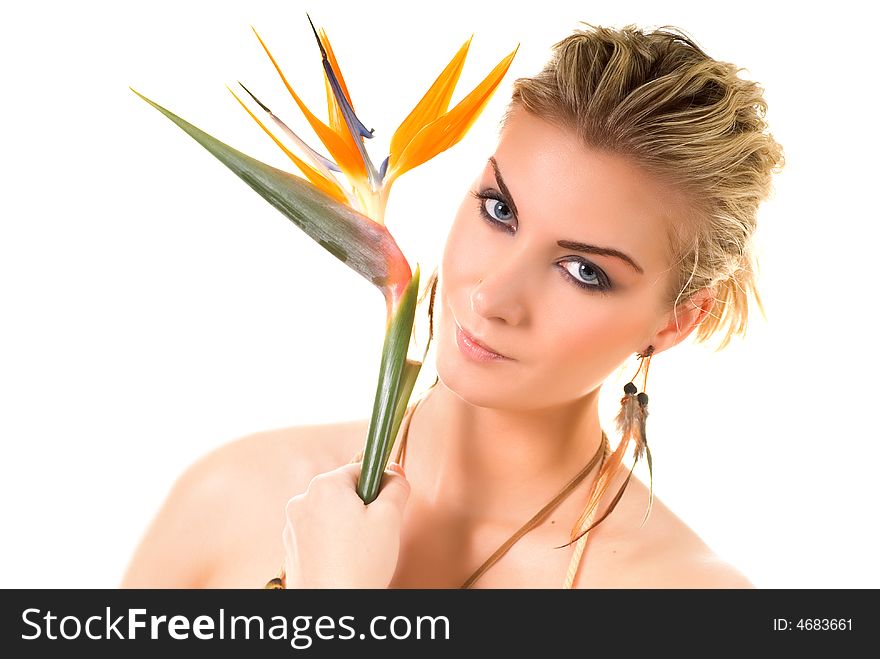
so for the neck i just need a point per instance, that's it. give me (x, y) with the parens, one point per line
(496, 465)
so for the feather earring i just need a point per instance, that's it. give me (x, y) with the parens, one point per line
(631, 422)
(631, 426)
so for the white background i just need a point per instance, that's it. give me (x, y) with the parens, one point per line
(153, 307)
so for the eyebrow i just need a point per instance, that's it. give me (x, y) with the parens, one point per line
(568, 244)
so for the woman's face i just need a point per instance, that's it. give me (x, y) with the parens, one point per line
(565, 318)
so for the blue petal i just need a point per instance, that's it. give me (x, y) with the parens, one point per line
(383, 169)
(329, 164)
(355, 127)
(347, 110)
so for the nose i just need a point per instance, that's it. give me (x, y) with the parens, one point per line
(501, 293)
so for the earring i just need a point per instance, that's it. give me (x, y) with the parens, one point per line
(631, 425)
(631, 420)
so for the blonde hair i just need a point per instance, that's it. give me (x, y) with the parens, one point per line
(657, 98)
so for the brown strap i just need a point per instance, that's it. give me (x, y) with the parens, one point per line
(539, 517)
(401, 450)
(601, 453)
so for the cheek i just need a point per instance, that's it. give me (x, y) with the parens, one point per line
(595, 320)
(589, 341)
(464, 253)
(575, 334)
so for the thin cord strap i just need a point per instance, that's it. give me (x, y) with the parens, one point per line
(602, 453)
(401, 450)
(575, 562)
(540, 516)
(403, 433)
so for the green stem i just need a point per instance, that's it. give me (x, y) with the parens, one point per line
(407, 384)
(389, 393)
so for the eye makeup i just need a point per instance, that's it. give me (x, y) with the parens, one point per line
(603, 284)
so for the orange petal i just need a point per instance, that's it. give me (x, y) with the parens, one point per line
(342, 148)
(328, 186)
(337, 120)
(356, 128)
(325, 41)
(434, 103)
(448, 129)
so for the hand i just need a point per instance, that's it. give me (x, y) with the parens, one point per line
(332, 540)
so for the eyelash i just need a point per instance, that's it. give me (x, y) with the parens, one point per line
(604, 285)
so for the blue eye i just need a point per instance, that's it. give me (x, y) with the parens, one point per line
(494, 210)
(592, 277)
(497, 209)
(497, 212)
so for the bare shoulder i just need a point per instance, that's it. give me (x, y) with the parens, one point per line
(231, 501)
(710, 571)
(664, 552)
(691, 564)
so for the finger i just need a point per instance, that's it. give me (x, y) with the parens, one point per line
(349, 473)
(395, 487)
(396, 466)
(357, 457)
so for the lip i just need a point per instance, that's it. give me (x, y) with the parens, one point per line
(475, 349)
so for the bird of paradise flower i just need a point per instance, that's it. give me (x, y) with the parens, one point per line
(349, 222)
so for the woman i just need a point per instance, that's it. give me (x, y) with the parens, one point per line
(614, 218)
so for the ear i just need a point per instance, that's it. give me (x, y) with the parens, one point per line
(677, 325)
